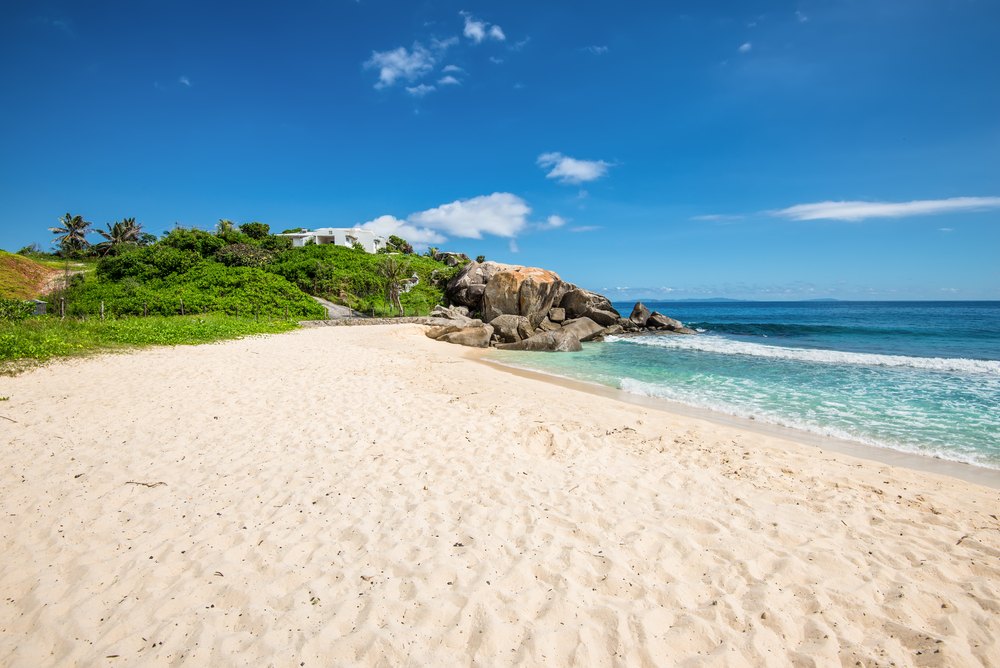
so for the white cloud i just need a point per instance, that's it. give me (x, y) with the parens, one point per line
(597, 49)
(555, 221)
(500, 214)
(452, 68)
(513, 246)
(571, 170)
(418, 236)
(494, 59)
(801, 17)
(185, 81)
(745, 48)
(855, 211)
(419, 91)
(400, 64)
(477, 30)
(449, 80)
(585, 228)
(945, 229)
(442, 45)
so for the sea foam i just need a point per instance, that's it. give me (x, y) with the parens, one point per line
(725, 346)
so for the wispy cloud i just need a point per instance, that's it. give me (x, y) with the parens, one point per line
(512, 245)
(718, 217)
(801, 17)
(745, 48)
(441, 45)
(478, 31)
(585, 228)
(571, 170)
(62, 24)
(494, 59)
(419, 90)
(597, 49)
(856, 211)
(945, 229)
(555, 221)
(185, 81)
(400, 64)
(449, 81)
(452, 68)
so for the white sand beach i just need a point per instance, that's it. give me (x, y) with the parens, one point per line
(365, 496)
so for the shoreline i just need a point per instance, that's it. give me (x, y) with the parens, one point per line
(979, 475)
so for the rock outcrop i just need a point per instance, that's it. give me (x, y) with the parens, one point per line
(581, 303)
(511, 328)
(468, 287)
(640, 314)
(525, 291)
(557, 341)
(533, 309)
(659, 320)
(474, 337)
(451, 259)
(584, 328)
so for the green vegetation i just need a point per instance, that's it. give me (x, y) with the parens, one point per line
(71, 236)
(356, 278)
(164, 280)
(15, 310)
(22, 277)
(119, 236)
(39, 339)
(127, 296)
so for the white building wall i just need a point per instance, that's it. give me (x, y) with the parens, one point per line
(339, 236)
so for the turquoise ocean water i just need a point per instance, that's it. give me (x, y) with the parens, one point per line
(920, 377)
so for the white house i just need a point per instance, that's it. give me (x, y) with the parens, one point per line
(339, 236)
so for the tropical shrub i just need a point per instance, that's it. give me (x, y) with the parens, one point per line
(15, 310)
(201, 242)
(400, 245)
(255, 230)
(209, 286)
(151, 262)
(351, 278)
(244, 255)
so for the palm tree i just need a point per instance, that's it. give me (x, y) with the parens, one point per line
(72, 235)
(393, 274)
(225, 226)
(120, 234)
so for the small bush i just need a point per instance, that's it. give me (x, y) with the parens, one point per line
(15, 310)
(244, 255)
(255, 230)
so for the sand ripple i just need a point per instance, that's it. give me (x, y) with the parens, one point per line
(364, 497)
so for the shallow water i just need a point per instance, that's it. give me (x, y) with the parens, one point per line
(917, 377)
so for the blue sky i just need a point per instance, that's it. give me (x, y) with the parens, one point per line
(762, 150)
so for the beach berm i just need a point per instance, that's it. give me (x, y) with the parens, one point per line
(367, 496)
